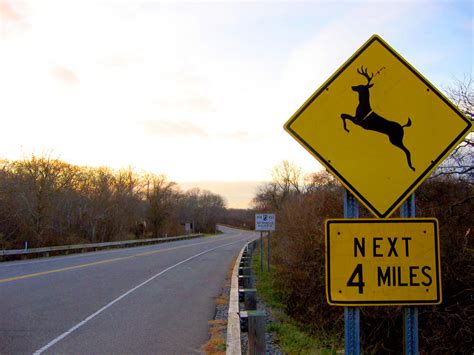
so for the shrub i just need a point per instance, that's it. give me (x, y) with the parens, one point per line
(299, 259)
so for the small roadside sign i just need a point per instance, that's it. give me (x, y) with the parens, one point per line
(379, 126)
(265, 222)
(374, 262)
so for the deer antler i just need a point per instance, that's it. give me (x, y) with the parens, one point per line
(364, 73)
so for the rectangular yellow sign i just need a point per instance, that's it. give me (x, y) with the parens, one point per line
(375, 262)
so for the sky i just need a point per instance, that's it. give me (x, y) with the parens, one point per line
(198, 91)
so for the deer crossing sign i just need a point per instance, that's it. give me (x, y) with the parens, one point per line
(382, 262)
(379, 126)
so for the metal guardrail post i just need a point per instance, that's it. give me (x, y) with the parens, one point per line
(245, 261)
(249, 297)
(408, 210)
(247, 270)
(351, 314)
(245, 281)
(256, 332)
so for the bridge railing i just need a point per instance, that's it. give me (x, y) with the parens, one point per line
(92, 246)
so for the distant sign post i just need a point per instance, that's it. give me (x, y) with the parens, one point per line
(265, 222)
(374, 262)
(379, 126)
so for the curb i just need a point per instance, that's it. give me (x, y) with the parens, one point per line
(233, 346)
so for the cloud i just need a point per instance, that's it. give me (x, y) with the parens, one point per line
(13, 19)
(183, 128)
(187, 103)
(156, 75)
(173, 129)
(7, 13)
(63, 75)
(121, 61)
(242, 136)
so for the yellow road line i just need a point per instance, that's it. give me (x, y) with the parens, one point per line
(80, 266)
(27, 276)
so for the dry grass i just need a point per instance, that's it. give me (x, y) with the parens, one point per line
(222, 299)
(216, 344)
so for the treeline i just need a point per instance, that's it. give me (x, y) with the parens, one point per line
(45, 202)
(298, 254)
(239, 218)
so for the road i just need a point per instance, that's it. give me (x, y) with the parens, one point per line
(146, 300)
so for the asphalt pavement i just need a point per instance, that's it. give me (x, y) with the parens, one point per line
(145, 300)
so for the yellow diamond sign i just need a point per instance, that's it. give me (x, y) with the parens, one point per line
(379, 126)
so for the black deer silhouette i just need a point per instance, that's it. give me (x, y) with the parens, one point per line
(366, 118)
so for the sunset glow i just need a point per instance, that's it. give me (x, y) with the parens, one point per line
(197, 91)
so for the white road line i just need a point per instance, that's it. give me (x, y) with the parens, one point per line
(93, 315)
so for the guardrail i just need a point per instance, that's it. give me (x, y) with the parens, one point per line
(94, 246)
(235, 315)
(233, 346)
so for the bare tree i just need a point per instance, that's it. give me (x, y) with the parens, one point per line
(161, 197)
(460, 162)
(211, 209)
(462, 95)
(288, 177)
(202, 208)
(46, 201)
(321, 180)
(287, 181)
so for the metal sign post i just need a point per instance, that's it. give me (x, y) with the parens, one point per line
(407, 210)
(268, 251)
(351, 314)
(265, 222)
